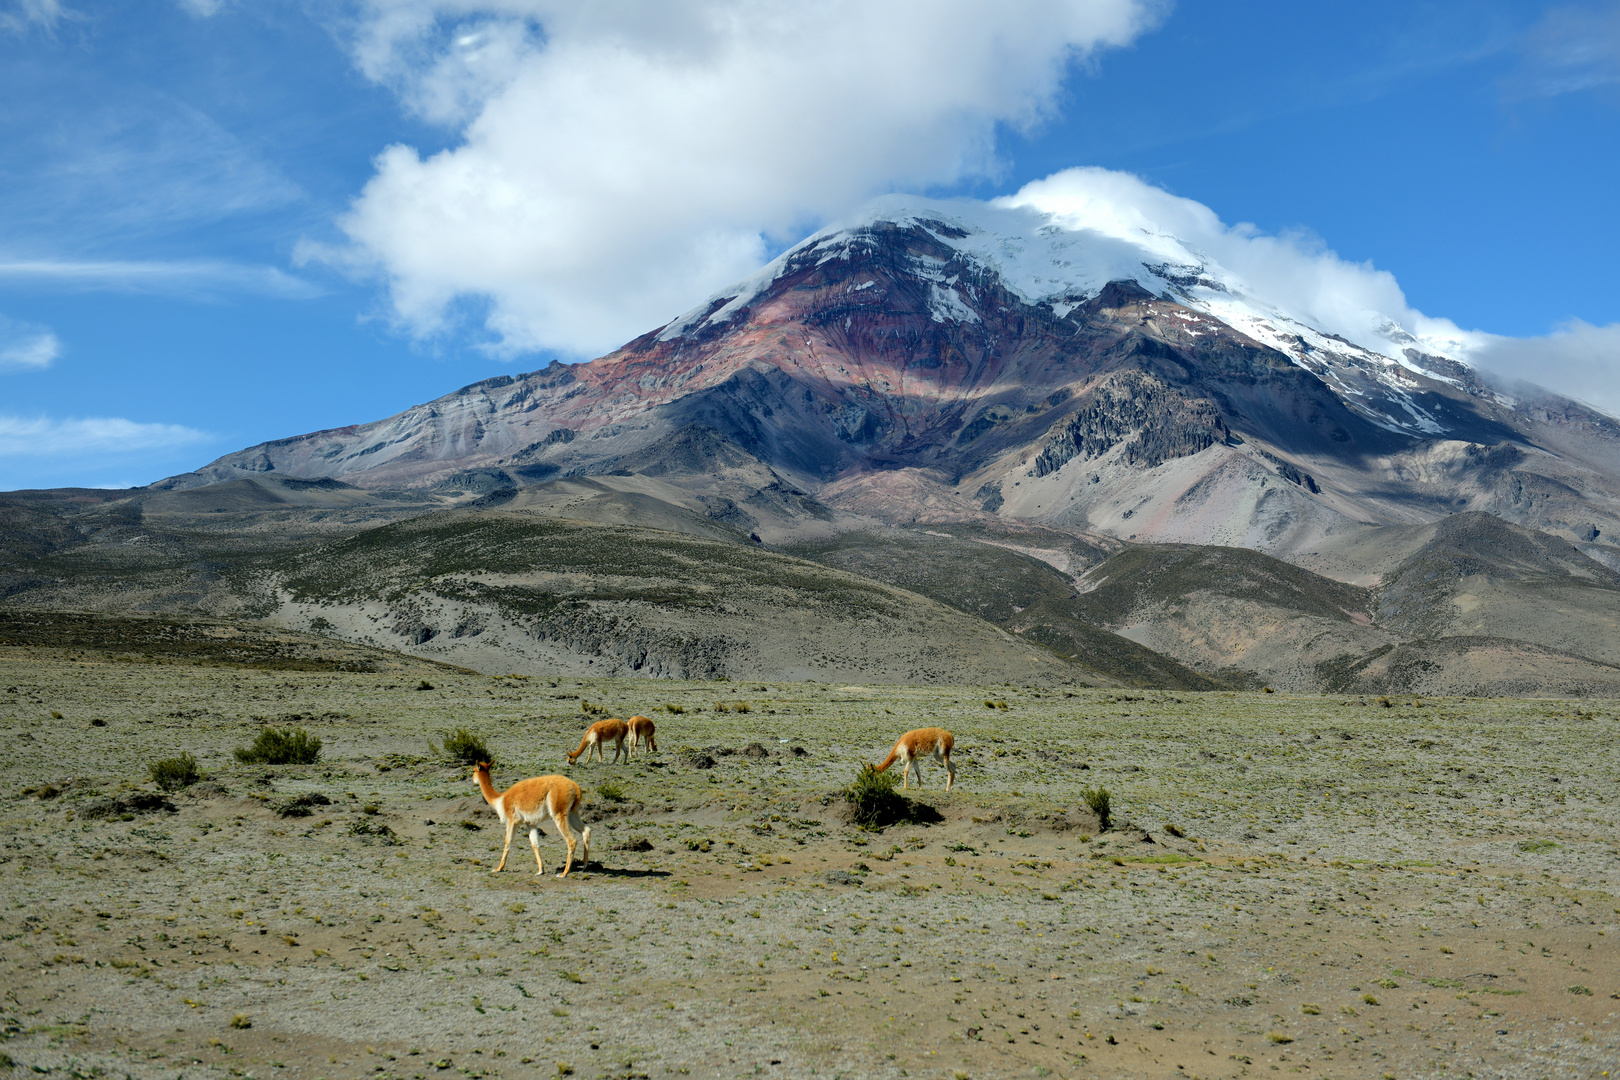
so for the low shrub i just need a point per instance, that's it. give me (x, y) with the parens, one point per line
(172, 774)
(611, 790)
(275, 746)
(874, 800)
(302, 805)
(1098, 800)
(463, 746)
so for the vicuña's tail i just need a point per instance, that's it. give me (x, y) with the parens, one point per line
(888, 760)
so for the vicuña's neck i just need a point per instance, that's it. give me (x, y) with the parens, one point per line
(484, 785)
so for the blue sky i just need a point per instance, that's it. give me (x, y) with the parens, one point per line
(201, 248)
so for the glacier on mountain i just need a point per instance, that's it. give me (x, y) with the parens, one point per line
(1059, 241)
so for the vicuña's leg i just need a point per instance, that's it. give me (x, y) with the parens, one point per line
(585, 839)
(568, 838)
(950, 773)
(510, 825)
(534, 842)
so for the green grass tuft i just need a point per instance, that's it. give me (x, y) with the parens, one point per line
(274, 746)
(874, 800)
(463, 746)
(172, 774)
(1099, 801)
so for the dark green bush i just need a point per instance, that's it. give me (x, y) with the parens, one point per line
(276, 746)
(611, 790)
(172, 774)
(469, 749)
(1097, 799)
(302, 805)
(873, 800)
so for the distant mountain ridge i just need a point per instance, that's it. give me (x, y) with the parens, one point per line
(942, 361)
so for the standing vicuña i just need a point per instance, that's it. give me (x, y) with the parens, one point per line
(920, 744)
(528, 802)
(602, 731)
(641, 729)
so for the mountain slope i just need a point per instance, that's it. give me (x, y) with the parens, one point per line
(1011, 366)
(514, 591)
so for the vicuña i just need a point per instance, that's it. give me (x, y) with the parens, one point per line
(528, 802)
(920, 744)
(602, 731)
(641, 730)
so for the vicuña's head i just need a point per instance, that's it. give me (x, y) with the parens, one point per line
(480, 770)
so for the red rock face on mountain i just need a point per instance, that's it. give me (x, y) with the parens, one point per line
(890, 371)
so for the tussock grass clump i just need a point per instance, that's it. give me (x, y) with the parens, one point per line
(302, 805)
(611, 790)
(172, 774)
(466, 748)
(276, 746)
(676, 710)
(875, 800)
(1101, 804)
(741, 706)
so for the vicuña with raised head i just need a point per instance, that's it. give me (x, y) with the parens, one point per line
(920, 744)
(528, 802)
(641, 730)
(603, 731)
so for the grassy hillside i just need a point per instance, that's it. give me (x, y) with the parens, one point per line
(507, 591)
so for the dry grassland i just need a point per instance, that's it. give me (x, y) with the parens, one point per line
(1424, 889)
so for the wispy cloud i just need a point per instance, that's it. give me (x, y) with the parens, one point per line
(189, 277)
(1577, 359)
(89, 167)
(1571, 48)
(23, 437)
(619, 161)
(26, 346)
(23, 15)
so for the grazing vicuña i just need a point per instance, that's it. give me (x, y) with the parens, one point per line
(641, 730)
(919, 744)
(601, 732)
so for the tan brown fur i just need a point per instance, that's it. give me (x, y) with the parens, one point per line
(528, 802)
(641, 730)
(603, 731)
(922, 743)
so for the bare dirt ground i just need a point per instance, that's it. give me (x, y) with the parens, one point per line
(1426, 889)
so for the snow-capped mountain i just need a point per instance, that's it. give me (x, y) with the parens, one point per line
(1056, 362)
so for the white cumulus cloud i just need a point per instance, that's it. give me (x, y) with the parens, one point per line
(26, 346)
(618, 161)
(22, 437)
(1295, 273)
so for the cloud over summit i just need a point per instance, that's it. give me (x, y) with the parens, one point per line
(618, 161)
